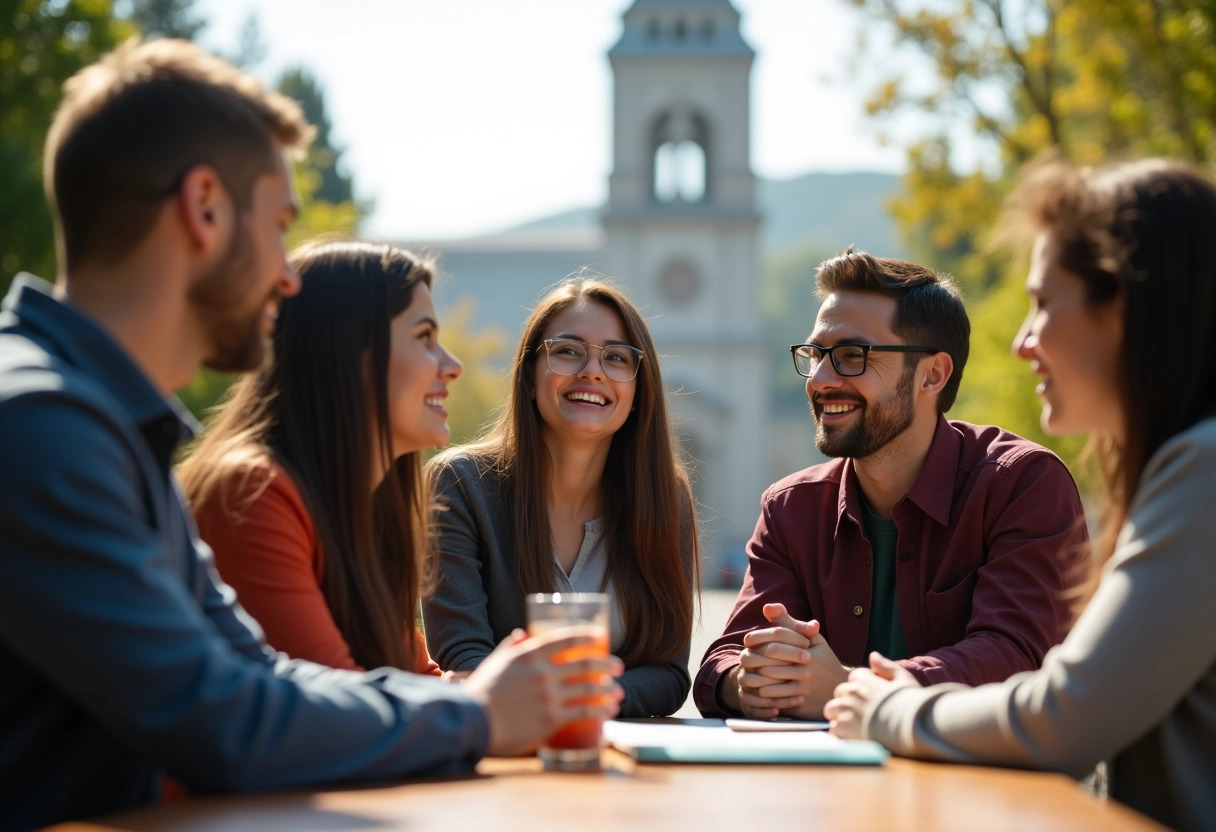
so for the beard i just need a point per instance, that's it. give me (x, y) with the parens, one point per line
(876, 424)
(232, 319)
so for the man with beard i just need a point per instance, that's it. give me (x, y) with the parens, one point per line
(122, 656)
(948, 546)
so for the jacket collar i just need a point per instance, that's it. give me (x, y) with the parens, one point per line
(65, 331)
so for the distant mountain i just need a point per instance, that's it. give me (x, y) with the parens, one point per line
(827, 210)
(831, 211)
(576, 218)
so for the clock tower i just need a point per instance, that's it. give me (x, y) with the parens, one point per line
(681, 230)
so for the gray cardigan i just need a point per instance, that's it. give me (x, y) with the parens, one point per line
(1133, 683)
(476, 603)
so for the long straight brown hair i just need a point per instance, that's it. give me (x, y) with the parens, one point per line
(650, 517)
(1145, 232)
(311, 408)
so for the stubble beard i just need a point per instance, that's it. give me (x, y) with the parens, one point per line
(877, 425)
(231, 319)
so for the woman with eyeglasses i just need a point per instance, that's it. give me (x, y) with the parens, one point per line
(577, 487)
(1122, 335)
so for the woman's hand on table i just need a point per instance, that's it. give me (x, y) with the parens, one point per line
(853, 700)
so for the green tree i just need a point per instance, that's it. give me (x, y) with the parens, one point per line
(482, 387)
(41, 45)
(334, 186)
(250, 48)
(166, 19)
(1088, 79)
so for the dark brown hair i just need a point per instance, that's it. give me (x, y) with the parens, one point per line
(133, 124)
(1144, 231)
(929, 310)
(312, 408)
(650, 521)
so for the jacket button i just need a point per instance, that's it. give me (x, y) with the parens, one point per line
(858, 610)
(905, 556)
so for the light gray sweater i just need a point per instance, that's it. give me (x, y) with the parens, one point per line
(476, 603)
(1134, 683)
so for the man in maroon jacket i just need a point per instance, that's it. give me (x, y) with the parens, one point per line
(949, 546)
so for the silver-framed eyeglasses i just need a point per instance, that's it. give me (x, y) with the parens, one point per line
(847, 359)
(568, 356)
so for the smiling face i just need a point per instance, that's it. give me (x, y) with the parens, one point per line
(586, 406)
(1072, 347)
(419, 371)
(856, 416)
(237, 299)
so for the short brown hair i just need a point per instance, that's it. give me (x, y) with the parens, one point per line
(133, 124)
(929, 308)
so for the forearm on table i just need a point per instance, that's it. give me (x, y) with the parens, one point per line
(715, 690)
(976, 660)
(655, 689)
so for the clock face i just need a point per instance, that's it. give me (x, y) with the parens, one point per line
(680, 282)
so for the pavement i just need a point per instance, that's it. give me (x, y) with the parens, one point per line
(716, 605)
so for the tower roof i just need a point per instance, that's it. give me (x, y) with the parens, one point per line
(681, 28)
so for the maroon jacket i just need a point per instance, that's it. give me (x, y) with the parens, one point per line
(989, 538)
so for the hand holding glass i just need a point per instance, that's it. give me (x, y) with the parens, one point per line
(575, 746)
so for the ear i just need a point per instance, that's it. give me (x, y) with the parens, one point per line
(205, 209)
(935, 371)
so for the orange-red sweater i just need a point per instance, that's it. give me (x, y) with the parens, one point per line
(266, 548)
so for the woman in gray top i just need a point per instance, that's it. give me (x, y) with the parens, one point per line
(578, 486)
(1122, 334)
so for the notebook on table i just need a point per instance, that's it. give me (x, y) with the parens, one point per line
(711, 741)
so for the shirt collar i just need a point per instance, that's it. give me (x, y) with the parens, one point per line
(76, 338)
(933, 491)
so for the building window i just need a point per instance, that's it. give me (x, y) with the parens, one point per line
(679, 172)
(680, 143)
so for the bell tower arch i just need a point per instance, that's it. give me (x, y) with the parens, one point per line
(681, 229)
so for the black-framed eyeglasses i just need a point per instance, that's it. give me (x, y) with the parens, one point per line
(568, 356)
(848, 359)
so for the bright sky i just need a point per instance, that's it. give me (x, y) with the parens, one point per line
(465, 116)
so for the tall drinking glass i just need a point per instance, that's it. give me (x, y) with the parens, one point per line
(575, 746)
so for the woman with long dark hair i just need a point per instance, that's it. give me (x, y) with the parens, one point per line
(1122, 334)
(308, 484)
(578, 486)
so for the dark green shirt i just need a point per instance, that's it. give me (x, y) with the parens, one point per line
(886, 636)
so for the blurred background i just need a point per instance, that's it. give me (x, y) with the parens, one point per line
(707, 154)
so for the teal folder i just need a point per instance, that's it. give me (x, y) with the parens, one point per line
(710, 741)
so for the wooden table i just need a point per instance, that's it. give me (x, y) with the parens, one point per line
(515, 794)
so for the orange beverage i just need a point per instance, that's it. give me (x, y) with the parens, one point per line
(582, 733)
(576, 745)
